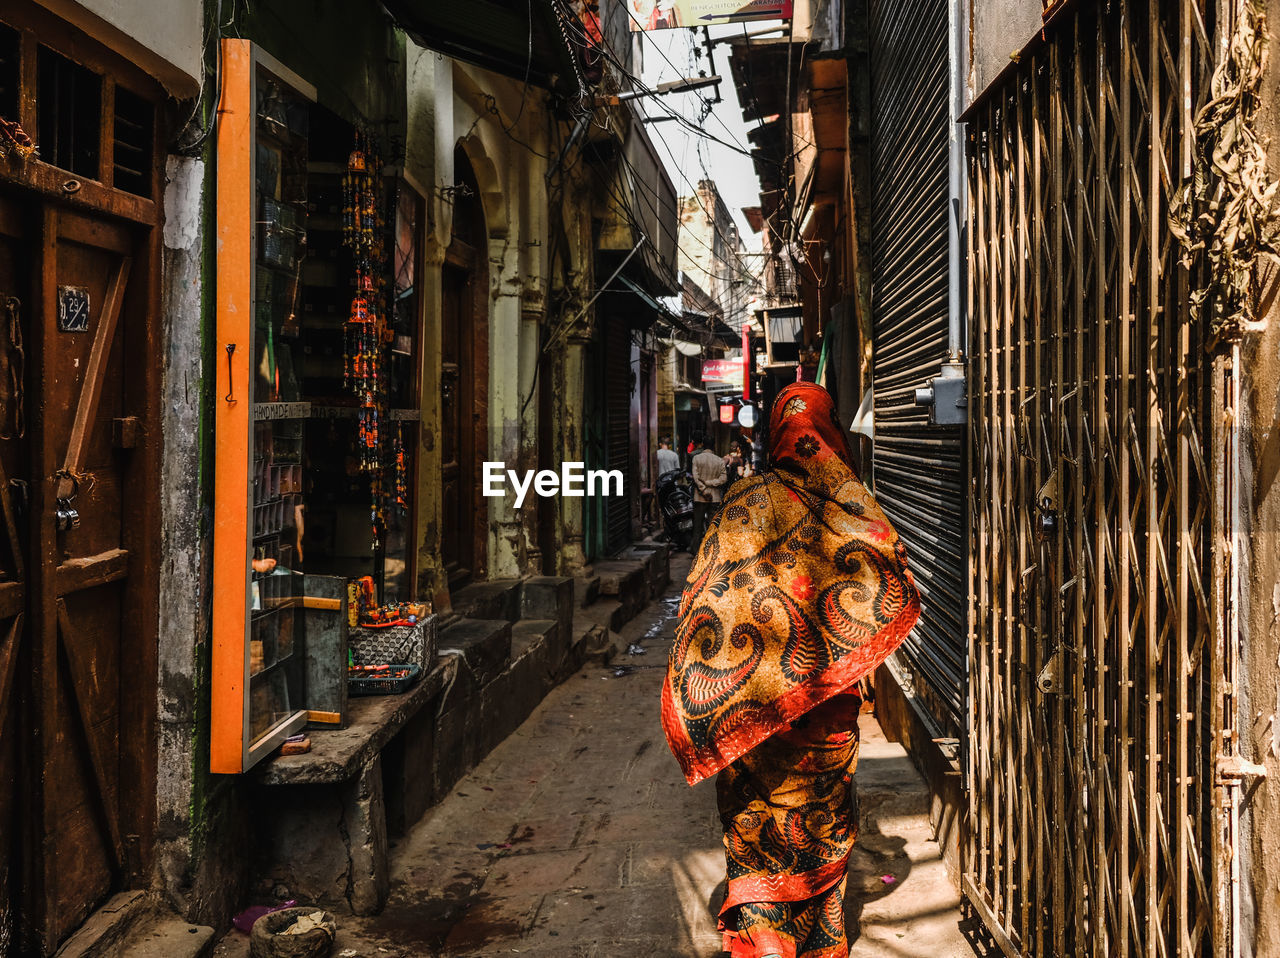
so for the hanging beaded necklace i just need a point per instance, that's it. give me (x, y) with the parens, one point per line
(402, 471)
(364, 333)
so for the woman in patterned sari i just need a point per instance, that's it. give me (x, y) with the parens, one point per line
(799, 590)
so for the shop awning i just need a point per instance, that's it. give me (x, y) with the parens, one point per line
(649, 301)
(498, 35)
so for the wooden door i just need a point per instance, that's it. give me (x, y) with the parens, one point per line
(77, 638)
(80, 436)
(15, 308)
(458, 460)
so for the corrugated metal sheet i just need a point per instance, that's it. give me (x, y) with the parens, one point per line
(919, 469)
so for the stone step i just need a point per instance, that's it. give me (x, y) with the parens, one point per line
(618, 576)
(485, 645)
(495, 599)
(106, 928)
(545, 639)
(586, 589)
(626, 580)
(548, 597)
(608, 612)
(655, 557)
(130, 926)
(536, 652)
(167, 937)
(593, 642)
(482, 708)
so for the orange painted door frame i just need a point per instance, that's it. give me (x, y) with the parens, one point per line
(233, 749)
(233, 409)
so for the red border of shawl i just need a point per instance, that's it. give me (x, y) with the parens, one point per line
(766, 941)
(772, 943)
(763, 941)
(698, 764)
(775, 888)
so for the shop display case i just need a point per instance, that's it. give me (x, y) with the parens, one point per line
(259, 626)
(319, 331)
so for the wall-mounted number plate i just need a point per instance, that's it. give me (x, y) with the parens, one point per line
(73, 309)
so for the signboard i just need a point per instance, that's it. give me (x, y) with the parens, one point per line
(747, 417)
(73, 309)
(727, 413)
(722, 371)
(668, 14)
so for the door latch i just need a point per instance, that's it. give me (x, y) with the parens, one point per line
(1047, 501)
(1236, 770)
(1051, 680)
(66, 517)
(21, 499)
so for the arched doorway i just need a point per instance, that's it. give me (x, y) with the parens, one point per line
(464, 374)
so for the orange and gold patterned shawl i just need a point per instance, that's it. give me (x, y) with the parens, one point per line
(799, 589)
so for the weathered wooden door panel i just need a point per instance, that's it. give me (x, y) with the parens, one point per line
(82, 394)
(75, 688)
(15, 284)
(457, 448)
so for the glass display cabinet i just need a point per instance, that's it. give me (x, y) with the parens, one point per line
(317, 403)
(260, 599)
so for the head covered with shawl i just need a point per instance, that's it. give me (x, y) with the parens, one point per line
(800, 588)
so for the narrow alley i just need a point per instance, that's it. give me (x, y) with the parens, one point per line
(578, 838)
(374, 374)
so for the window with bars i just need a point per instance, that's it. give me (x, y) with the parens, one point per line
(69, 108)
(86, 122)
(133, 134)
(10, 71)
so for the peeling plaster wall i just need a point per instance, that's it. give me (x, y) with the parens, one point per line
(999, 29)
(204, 833)
(429, 161)
(504, 129)
(1260, 637)
(201, 819)
(1260, 591)
(183, 542)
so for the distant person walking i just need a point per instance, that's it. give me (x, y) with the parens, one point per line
(738, 463)
(709, 480)
(668, 459)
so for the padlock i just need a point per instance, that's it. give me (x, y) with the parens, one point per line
(66, 517)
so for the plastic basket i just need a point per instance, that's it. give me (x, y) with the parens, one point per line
(392, 684)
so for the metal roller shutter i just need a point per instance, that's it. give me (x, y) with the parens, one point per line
(919, 468)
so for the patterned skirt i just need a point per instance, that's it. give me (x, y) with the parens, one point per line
(790, 818)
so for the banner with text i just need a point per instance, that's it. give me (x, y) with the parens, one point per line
(722, 370)
(668, 14)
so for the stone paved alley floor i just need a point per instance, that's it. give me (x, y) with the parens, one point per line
(578, 838)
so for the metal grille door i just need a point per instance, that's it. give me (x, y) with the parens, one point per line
(918, 467)
(1092, 619)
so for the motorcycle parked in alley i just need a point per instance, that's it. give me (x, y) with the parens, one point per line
(675, 500)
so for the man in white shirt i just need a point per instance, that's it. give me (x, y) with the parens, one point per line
(668, 461)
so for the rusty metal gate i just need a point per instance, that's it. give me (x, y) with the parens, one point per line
(1089, 827)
